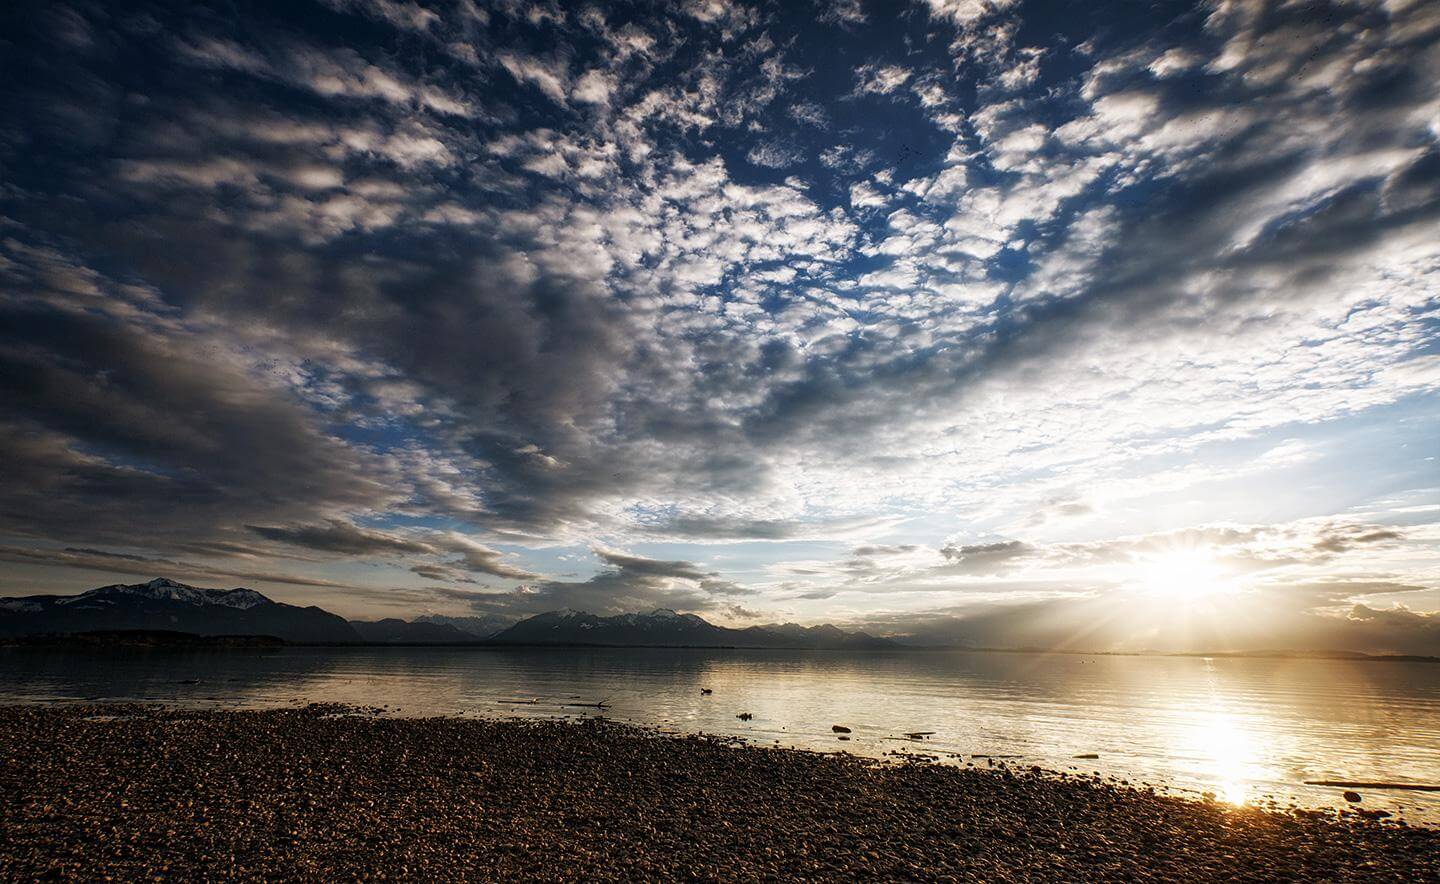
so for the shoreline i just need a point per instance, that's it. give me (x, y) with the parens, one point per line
(324, 792)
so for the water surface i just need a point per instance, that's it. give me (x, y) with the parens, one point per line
(1244, 730)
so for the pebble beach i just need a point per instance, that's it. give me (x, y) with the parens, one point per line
(331, 793)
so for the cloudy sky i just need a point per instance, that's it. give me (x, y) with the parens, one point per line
(1003, 322)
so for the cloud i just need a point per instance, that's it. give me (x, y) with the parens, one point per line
(403, 15)
(881, 79)
(106, 562)
(1339, 539)
(627, 583)
(964, 12)
(340, 537)
(732, 18)
(112, 411)
(442, 573)
(810, 113)
(1129, 625)
(638, 566)
(547, 76)
(984, 558)
(331, 73)
(1296, 568)
(555, 277)
(774, 154)
(594, 87)
(845, 13)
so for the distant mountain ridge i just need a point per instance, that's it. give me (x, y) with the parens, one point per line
(483, 626)
(393, 630)
(663, 627)
(164, 604)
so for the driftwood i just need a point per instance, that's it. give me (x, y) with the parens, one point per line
(603, 704)
(1349, 784)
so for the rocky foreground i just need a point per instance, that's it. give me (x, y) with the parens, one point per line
(130, 792)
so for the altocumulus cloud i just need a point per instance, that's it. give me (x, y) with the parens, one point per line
(456, 290)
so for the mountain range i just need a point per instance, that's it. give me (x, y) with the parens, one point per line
(394, 630)
(483, 626)
(666, 627)
(163, 604)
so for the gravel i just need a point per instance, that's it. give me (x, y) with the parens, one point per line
(322, 793)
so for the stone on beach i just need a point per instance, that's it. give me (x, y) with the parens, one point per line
(325, 794)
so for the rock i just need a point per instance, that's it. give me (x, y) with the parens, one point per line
(839, 728)
(1352, 797)
(136, 794)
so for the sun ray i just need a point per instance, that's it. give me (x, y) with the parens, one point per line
(1186, 574)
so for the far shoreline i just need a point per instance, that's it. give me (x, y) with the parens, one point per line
(161, 639)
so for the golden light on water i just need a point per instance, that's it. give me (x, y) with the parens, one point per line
(1231, 754)
(1228, 751)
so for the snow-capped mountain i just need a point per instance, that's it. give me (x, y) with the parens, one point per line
(663, 627)
(163, 589)
(164, 604)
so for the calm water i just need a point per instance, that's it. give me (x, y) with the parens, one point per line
(1241, 729)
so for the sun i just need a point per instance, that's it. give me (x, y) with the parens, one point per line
(1185, 574)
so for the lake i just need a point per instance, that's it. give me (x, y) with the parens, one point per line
(1245, 730)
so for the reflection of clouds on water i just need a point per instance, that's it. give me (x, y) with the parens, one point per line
(162, 675)
(1241, 728)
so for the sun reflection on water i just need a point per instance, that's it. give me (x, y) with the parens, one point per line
(1228, 752)
(1231, 757)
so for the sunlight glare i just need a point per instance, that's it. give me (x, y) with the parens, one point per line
(1183, 574)
(1227, 753)
(1230, 752)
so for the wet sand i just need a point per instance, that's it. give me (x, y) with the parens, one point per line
(129, 792)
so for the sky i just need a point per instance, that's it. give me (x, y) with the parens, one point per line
(1001, 323)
